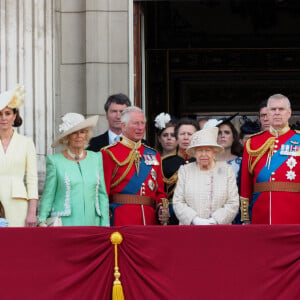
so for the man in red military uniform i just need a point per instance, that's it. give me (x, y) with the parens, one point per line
(133, 175)
(270, 182)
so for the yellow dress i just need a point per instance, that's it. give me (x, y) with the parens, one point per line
(18, 178)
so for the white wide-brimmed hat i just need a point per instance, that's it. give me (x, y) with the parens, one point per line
(207, 137)
(72, 122)
(12, 98)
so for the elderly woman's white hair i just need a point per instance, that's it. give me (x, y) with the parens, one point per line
(127, 111)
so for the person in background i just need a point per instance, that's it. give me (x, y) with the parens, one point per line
(201, 121)
(247, 129)
(165, 135)
(3, 221)
(263, 116)
(228, 138)
(206, 191)
(270, 185)
(75, 188)
(113, 107)
(184, 129)
(18, 166)
(133, 175)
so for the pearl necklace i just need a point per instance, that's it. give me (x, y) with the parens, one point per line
(75, 156)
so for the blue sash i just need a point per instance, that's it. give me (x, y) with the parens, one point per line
(276, 161)
(135, 182)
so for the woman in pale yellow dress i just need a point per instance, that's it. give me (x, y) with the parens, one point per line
(18, 171)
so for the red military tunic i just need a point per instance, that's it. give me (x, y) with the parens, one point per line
(272, 187)
(121, 177)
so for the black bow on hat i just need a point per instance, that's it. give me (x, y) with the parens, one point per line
(249, 126)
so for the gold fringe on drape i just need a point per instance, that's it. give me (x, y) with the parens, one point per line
(116, 239)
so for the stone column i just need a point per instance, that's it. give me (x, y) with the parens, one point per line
(26, 57)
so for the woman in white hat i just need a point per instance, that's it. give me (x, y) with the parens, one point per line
(74, 189)
(206, 191)
(17, 161)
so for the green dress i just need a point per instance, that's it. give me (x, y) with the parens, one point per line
(75, 191)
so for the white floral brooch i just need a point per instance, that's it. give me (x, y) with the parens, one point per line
(69, 121)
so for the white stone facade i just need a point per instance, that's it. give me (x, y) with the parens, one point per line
(70, 55)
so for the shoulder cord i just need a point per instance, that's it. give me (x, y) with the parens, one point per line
(268, 145)
(133, 155)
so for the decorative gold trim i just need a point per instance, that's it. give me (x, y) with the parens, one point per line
(258, 153)
(116, 239)
(244, 209)
(279, 132)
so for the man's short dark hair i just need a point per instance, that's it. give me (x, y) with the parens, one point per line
(262, 104)
(118, 99)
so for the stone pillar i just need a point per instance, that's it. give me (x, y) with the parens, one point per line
(26, 57)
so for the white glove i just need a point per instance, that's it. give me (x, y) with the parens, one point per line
(200, 221)
(212, 221)
(42, 224)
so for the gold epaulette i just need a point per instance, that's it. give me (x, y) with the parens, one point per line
(254, 134)
(109, 146)
(146, 146)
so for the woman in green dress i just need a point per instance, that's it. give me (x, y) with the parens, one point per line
(74, 189)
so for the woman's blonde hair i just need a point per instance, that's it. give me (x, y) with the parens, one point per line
(65, 140)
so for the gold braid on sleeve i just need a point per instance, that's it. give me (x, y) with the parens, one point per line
(244, 209)
(170, 184)
(258, 153)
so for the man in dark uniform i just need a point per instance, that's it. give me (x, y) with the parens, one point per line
(270, 183)
(114, 106)
(133, 175)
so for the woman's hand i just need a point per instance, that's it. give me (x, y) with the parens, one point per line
(31, 219)
(31, 215)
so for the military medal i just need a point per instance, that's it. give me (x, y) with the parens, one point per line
(137, 161)
(151, 184)
(291, 163)
(153, 174)
(151, 160)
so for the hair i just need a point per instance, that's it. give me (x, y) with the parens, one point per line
(18, 120)
(127, 111)
(66, 139)
(262, 104)
(279, 97)
(118, 99)
(236, 147)
(159, 132)
(2, 211)
(185, 121)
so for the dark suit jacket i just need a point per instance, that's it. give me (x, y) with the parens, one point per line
(98, 142)
(102, 140)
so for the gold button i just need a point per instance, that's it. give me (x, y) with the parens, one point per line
(273, 173)
(273, 179)
(275, 146)
(276, 141)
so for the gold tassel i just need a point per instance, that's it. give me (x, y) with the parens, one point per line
(117, 292)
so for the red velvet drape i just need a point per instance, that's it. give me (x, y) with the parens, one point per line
(156, 262)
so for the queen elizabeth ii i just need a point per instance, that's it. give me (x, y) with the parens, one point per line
(206, 191)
